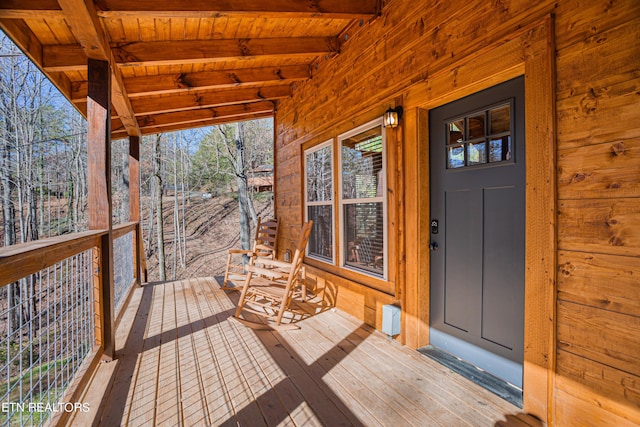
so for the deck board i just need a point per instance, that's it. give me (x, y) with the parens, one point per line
(404, 380)
(192, 393)
(368, 377)
(169, 408)
(468, 400)
(143, 400)
(185, 362)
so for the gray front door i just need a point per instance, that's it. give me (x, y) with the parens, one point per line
(477, 229)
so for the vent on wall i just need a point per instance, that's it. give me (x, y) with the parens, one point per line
(391, 320)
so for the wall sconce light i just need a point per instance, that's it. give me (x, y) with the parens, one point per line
(391, 117)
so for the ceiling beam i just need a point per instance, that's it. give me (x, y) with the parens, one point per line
(178, 52)
(82, 17)
(24, 38)
(338, 9)
(30, 9)
(224, 112)
(64, 57)
(194, 116)
(193, 51)
(220, 79)
(191, 101)
(28, 42)
(209, 122)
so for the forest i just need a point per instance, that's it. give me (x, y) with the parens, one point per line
(43, 171)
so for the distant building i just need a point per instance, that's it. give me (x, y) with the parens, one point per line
(261, 179)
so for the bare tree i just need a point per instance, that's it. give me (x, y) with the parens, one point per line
(157, 179)
(8, 186)
(184, 188)
(235, 145)
(177, 230)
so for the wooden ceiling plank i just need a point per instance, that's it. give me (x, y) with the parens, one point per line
(82, 17)
(340, 9)
(30, 9)
(192, 101)
(184, 51)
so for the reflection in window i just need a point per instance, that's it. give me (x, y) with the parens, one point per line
(480, 138)
(321, 238)
(363, 198)
(364, 231)
(455, 157)
(319, 196)
(362, 166)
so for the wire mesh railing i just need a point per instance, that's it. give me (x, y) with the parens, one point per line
(46, 331)
(123, 268)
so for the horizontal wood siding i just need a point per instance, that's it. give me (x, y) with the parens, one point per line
(598, 319)
(597, 280)
(364, 303)
(413, 50)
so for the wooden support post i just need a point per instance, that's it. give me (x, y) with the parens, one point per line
(134, 203)
(99, 197)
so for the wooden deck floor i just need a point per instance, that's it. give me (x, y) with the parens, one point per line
(182, 361)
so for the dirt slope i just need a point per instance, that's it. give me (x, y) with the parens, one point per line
(212, 229)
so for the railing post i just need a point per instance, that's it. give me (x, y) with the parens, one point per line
(134, 203)
(99, 197)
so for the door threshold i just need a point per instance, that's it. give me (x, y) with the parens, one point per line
(497, 386)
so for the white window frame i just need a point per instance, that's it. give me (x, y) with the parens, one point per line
(383, 199)
(330, 203)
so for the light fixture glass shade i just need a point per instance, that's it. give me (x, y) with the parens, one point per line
(391, 117)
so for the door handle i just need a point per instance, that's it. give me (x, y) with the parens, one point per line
(433, 246)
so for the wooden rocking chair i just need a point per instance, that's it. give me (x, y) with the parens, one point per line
(264, 246)
(270, 287)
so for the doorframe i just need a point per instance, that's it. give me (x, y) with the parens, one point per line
(529, 52)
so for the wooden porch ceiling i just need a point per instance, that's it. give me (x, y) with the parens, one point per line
(179, 65)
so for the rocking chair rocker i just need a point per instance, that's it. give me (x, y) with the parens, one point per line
(271, 286)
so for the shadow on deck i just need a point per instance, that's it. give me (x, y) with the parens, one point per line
(183, 361)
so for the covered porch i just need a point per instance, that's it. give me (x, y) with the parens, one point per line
(327, 72)
(181, 360)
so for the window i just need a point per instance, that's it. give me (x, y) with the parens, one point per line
(319, 200)
(480, 138)
(363, 199)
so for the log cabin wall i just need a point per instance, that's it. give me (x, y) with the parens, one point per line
(583, 293)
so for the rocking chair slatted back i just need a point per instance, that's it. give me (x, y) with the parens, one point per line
(265, 245)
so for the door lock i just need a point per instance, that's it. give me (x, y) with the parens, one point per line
(434, 226)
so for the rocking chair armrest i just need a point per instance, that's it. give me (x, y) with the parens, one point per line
(275, 263)
(241, 251)
(272, 274)
(263, 248)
